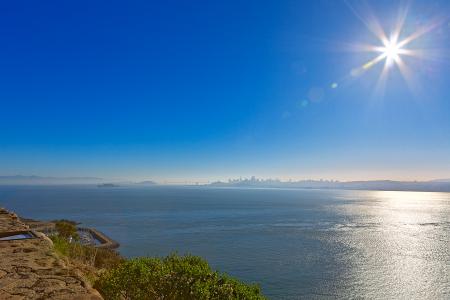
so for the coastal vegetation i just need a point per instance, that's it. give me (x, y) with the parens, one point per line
(172, 277)
(86, 255)
(66, 229)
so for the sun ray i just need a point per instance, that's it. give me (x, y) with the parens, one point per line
(401, 18)
(407, 74)
(374, 61)
(360, 70)
(421, 31)
(369, 19)
(381, 82)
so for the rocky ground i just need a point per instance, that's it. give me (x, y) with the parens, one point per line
(30, 268)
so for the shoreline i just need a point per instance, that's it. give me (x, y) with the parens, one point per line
(48, 228)
(32, 269)
(107, 242)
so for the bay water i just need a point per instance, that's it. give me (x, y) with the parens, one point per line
(297, 244)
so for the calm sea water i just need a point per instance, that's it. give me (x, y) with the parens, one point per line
(295, 243)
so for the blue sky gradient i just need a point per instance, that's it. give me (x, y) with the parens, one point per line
(206, 90)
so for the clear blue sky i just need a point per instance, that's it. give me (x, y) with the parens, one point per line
(206, 90)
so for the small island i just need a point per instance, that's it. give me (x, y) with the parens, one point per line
(147, 182)
(107, 185)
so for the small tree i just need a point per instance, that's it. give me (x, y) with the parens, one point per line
(67, 230)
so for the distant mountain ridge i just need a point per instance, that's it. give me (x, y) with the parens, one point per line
(33, 179)
(439, 185)
(441, 180)
(42, 180)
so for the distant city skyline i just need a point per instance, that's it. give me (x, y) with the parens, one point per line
(440, 185)
(205, 91)
(34, 179)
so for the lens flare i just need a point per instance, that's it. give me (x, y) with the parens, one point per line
(392, 48)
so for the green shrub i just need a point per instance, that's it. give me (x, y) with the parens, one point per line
(66, 221)
(173, 277)
(67, 229)
(107, 258)
(98, 257)
(61, 245)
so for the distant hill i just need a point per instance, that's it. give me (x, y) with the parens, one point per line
(32, 179)
(384, 185)
(441, 180)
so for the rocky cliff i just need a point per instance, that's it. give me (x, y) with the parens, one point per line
(30, 268)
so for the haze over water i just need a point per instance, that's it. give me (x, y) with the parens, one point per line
(295, 243)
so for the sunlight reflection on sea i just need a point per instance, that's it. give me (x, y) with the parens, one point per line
(312, 244)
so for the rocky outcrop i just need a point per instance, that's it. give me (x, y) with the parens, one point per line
(30, 268)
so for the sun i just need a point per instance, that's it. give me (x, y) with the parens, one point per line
(391, 51)
(396, 49)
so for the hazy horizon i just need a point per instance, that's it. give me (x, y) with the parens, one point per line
(94, 180)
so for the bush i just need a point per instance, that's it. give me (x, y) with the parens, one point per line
(66, 221)
(98, 257)
(107, 258)
(67, 229)
(173, 277)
